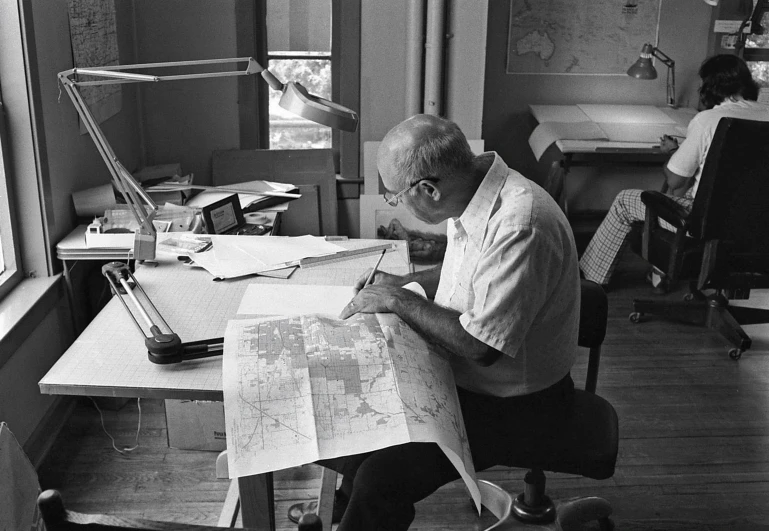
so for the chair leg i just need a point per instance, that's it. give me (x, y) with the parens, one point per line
(326, 496)
(749, 316)
(685, 312)
(533, 506)
(720, 319)
(577, 511)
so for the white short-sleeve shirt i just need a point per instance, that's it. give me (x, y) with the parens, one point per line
(689, 159)
(511, 270)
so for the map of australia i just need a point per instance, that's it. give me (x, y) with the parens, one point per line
(300, 389)
(601, 37)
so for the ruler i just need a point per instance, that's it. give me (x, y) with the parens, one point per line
(341, 256)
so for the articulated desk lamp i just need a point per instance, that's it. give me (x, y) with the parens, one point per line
(644, 69)
(167, 347)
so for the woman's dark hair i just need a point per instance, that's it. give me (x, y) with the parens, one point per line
(724, 76)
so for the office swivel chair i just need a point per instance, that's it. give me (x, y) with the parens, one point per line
(723, 242)
(58, 518)
(586, 445)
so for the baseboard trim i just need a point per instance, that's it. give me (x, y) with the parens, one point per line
(40, 443)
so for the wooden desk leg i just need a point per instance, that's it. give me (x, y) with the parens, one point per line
(257, 501)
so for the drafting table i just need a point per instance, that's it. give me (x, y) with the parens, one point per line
(109, 358)
(594, 134)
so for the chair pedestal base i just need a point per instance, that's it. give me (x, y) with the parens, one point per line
(568, 514)
(714, 313)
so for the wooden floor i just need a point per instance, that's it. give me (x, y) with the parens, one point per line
(694, 449)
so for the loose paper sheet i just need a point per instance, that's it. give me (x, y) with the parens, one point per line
(625, 114)
(548, 132)
(290, 300)
(558, 113)
(300, 389)
(236, 256)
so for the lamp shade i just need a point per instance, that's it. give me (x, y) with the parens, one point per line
(643, 68)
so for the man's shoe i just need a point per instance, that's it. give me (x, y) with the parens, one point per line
(341, 500)
(659, 281)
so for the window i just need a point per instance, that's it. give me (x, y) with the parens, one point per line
(299, 49)
(315, 43)
(10, 269)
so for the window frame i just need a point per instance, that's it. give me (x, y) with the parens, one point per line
(345, 78)
(10, 247)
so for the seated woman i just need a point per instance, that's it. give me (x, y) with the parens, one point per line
(727, 90)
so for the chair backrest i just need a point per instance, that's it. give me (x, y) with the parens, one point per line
(733, 194)
(593, 315)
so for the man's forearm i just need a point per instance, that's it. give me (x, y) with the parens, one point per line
(441, 326)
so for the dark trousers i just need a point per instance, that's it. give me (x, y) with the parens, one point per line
(387, 483)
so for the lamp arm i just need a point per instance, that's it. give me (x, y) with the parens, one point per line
(163, 345)
(133, 194)
(671, 85)
(664, 59)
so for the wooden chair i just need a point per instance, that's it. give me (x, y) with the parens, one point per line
(722, 243)
(587, 445)
(58, 518)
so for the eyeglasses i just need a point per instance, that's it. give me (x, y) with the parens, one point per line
(393, 199)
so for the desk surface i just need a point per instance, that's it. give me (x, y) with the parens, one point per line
(630, 129)
(109, 358)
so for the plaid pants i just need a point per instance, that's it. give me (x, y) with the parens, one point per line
(602, 254)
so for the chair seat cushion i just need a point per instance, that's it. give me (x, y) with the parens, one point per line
(585, 445)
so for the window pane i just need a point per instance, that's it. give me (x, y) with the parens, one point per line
(288, 131)
(299, 26)
(760, 71)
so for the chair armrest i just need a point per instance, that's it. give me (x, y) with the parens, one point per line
(665, 207)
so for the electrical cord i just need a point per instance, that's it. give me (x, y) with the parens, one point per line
(126, 449)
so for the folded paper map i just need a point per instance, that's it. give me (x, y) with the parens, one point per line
(303, 388)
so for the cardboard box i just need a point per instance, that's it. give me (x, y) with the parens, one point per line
(195, 425)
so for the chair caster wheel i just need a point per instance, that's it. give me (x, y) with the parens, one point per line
(689, 297)
(735, 353)
(635, 317)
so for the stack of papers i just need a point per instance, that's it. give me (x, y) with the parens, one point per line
(237, 256)
(248, 202)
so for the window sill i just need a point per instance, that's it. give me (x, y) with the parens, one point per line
(23, 309)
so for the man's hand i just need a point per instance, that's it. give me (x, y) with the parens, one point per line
(377, 298)
(668, 144)
(382, 278)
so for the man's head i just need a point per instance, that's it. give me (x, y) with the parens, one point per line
(724, 77)
(427, 160)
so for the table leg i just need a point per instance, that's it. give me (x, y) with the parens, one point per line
(257, 501)
(76, 317)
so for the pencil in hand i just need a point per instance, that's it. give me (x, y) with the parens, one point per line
(373, 271)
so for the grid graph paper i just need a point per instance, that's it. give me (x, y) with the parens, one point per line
(109, 358)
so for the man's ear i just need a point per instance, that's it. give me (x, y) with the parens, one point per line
(431, 189)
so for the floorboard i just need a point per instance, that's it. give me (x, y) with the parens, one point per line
(694, 449)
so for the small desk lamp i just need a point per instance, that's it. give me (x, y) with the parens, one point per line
(163, 345)
(295, 98)
(644, 69)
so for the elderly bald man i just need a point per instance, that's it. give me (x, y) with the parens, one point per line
(504, 305)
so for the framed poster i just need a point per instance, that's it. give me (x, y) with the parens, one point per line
(378, 220)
